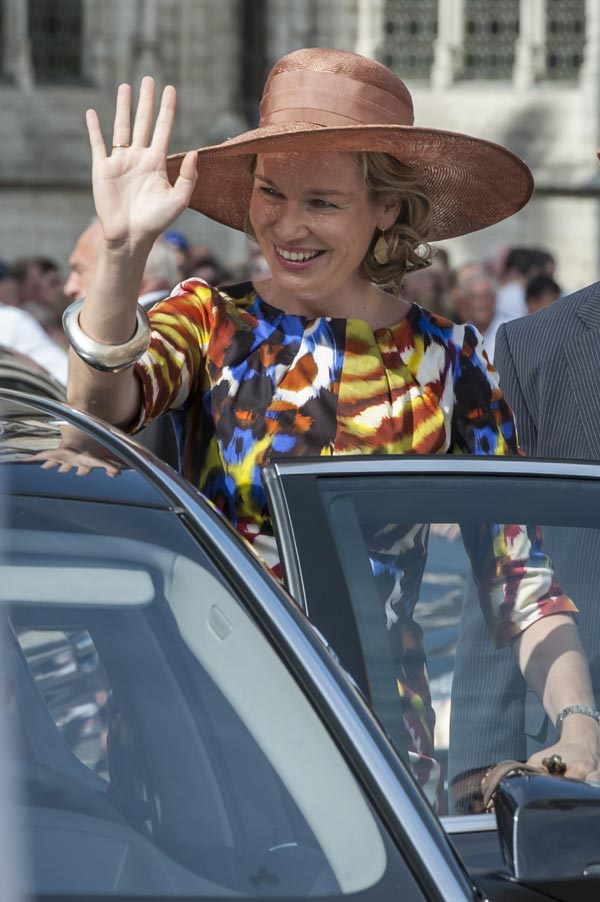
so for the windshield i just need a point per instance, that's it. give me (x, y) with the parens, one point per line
(165, 748)
(437, 571)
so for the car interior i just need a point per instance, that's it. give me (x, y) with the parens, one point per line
(163, 747)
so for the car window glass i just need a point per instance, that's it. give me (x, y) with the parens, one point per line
(433, 601)
(165, 747)
(72, 683)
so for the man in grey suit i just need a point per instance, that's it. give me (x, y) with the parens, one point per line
(549, 366)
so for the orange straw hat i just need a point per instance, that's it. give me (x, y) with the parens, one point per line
(317, 101)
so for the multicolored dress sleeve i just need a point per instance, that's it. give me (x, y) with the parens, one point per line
(516, 581)
(173, 368)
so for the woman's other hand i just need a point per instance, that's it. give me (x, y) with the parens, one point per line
(578, 748)
(134, 199)
(78, 452)
(68, 459)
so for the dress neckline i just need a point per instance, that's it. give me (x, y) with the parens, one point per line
(277, 313)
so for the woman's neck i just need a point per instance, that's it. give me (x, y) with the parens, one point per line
(376, 307)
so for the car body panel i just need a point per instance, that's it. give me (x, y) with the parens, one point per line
(149, 499)
(154, 491)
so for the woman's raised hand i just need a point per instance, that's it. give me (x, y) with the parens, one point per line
(134, 199)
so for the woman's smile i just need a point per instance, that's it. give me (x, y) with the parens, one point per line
(297, 258)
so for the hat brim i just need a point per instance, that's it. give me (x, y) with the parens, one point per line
(472, 183)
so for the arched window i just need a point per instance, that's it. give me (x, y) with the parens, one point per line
(253, 65)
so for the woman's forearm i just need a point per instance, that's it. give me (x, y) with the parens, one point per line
(553, 663)
(108, 316)
(114, 397)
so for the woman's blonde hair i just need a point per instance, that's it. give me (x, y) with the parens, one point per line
(383, 176)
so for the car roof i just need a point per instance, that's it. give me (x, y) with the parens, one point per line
(30, 424)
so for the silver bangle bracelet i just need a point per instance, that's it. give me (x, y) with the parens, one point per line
(576, 709)
(105, 357)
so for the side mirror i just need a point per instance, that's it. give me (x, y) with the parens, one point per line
(549, 828)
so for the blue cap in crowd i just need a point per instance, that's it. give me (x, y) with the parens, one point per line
(177, 239)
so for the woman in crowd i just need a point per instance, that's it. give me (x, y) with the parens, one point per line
(341, 192)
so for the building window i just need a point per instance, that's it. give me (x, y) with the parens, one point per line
(56, 35)
(490, 33)
(254, 66)
(565, 38)
(409, 35)
(3, 66)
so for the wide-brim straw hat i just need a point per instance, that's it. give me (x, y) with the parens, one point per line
(318, 100)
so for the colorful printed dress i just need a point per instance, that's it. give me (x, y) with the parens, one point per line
(245, 381)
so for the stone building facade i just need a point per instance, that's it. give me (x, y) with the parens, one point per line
(524, 73)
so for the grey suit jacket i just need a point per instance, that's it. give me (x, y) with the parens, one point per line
(549, 366)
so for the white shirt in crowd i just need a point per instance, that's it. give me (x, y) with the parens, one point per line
(489, 336)
(20, 332)
(510, 301)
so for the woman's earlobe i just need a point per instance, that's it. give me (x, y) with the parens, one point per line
(394, 210)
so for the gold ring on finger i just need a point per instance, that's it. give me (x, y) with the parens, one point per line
(115, 146)
(554, 765)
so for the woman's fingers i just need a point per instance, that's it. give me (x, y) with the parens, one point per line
(135, 165)
(581, 759)
(67, 460)
(164, 120)
(142, 125)
(188, 173)
(188, 169)
(95, 133)
(48, 464)
(122, 124)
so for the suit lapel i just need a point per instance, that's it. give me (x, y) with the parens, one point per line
(583, 368)
(589, 309)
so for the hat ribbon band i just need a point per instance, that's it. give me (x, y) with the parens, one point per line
(332, 99)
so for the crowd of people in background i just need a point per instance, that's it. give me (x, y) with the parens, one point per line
(510, 282)
(504, 285)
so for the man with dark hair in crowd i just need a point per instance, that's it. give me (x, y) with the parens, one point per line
(205, 265)
(541, 292)
(544, 263)
(35, 277)
(38, 287)
(522, 264)
(21, 332)
(518, 270)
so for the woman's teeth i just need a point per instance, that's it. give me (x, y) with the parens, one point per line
(297, 256)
